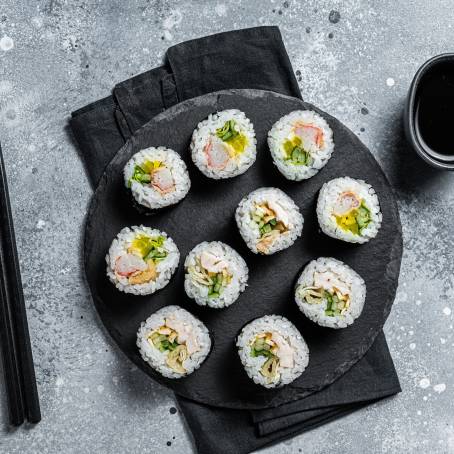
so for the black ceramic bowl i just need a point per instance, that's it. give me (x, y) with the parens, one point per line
(435, 66)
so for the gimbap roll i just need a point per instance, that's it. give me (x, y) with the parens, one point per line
(348, 209)
(224, 145)
(215, 274)
(157, 177)
(330, 293)
(268, 220)
(301, 143)
(141, 260)
(272, 351)
(173, 342)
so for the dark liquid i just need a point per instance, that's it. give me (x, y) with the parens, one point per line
(434, 115)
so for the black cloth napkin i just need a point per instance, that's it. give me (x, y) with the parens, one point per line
(250, 58)
(226, 431)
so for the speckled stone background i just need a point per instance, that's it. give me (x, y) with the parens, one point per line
(353, 59)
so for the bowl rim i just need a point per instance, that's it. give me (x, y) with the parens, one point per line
(422, 70)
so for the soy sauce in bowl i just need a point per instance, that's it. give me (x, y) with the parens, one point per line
(434, 110)
(428, 118)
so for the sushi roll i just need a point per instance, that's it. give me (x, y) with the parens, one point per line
(224, 145)
(173, 342)
(301, 143)
(157, 177)
(215, 274)
(272, 351)
(141, 260)
(269, 220)
(330, 293)
(348, 209)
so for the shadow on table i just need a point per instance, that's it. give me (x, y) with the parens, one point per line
(409, 172)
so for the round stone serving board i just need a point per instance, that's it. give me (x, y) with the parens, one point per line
(207, 214)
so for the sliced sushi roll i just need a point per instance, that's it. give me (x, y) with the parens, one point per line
(224, 145)
(216, 274)
(272, 351)
(301, 143)
(141, 260)
(157, 177)
(269, 220)
(330, 293)
(348, 209)
(173, 342)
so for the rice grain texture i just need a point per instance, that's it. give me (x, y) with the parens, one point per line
(253, 365)
(157, 359)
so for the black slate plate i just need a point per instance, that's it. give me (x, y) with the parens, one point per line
(207, 213)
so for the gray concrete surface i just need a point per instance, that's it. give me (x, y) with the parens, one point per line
(57, 55)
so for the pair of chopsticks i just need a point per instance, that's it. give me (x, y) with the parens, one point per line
(19, 371)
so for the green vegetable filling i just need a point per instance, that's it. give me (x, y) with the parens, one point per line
(162, 343)
(227, 132)
(215, 288)
(295, 153)
(261, 348)
(140, 175)
(266, 220)
(268, 227)
(214, 281)
(149, 248)
(355, 220)
(301, 157)
(332, 308)
(363, 217)
(236, 140)
(335, 305)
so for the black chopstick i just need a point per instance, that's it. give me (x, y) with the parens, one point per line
(9, 355)
(19, 371)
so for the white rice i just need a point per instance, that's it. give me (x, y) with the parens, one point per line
(249, 229)
(145, 193)
(252, 365)
(206, 130)
(237, 268)
(327, 199)
(165, 268)
(283, 130)
(157, 359)
(335, 271)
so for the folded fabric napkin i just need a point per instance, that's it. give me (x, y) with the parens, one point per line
(250, 58)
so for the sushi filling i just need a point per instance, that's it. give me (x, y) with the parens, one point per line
(329, 289)
(228, 144)
(138, 264)
(154, 174)
(212, 272)
(304, 140)
(351, 213)
(231, 135)
(276, 351)
(176, 339)
(271, 220)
